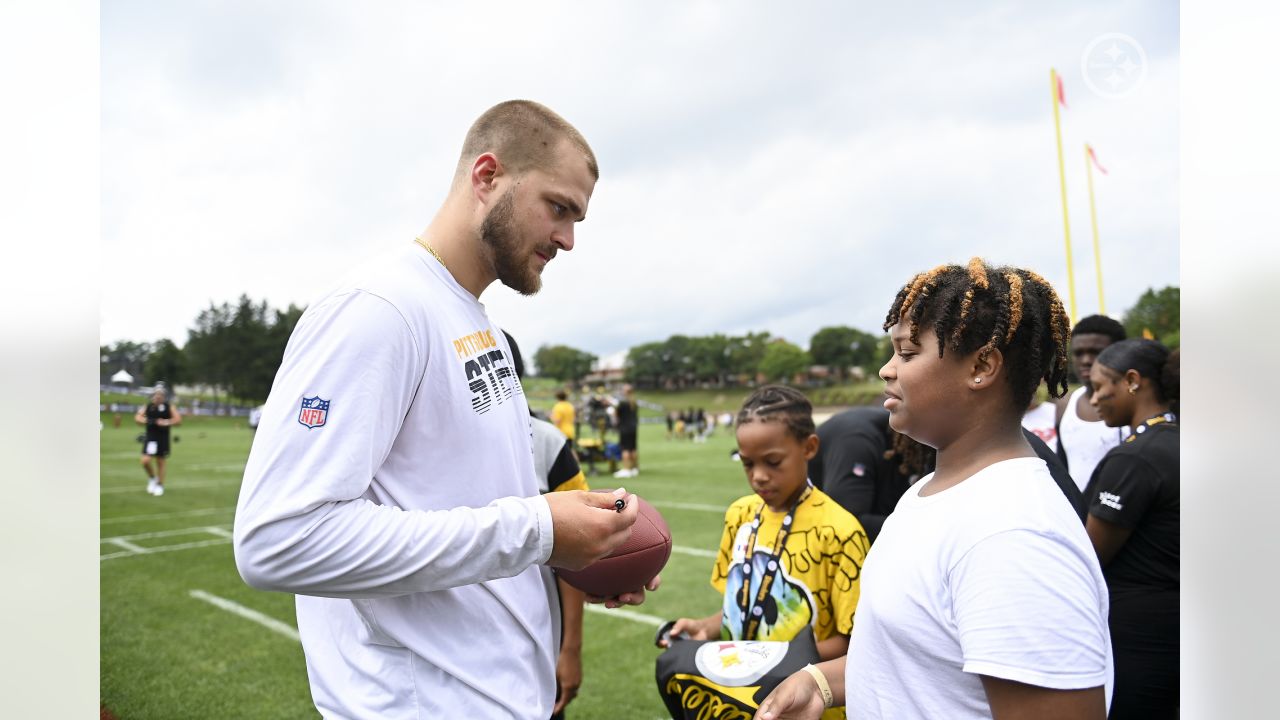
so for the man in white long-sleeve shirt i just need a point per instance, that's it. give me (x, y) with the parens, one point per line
(391, 482)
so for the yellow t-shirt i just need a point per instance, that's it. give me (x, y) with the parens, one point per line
(817, 581)
(562, 414)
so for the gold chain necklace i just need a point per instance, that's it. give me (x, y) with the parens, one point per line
(430, 249)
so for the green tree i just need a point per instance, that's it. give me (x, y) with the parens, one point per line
(563, 362)
(166, 362)
(710, 358)
(238, 349)
(746, 353)
(645, 366)
(1157, 311)
(782, 361)
(124, 355)
(843, 347)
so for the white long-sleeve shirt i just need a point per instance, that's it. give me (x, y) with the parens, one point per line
(391, 487)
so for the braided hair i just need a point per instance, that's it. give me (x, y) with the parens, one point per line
(983, 308)
(779, 403)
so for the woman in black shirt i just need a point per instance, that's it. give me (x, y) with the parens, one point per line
(1134, 523)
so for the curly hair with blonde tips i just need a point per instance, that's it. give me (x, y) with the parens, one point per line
(980, 308)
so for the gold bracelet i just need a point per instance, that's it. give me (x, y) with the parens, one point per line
(821, 679)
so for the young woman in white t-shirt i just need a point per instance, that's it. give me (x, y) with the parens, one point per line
(982, 596)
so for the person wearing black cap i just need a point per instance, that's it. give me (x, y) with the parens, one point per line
(1134, 522)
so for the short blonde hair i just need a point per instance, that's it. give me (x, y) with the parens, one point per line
(524, 135)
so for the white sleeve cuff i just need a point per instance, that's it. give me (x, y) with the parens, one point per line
(546, 529)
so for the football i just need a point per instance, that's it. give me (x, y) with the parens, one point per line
(632, 564)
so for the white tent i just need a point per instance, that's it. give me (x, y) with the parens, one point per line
(122, 377)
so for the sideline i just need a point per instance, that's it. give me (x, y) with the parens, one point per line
(269, 623)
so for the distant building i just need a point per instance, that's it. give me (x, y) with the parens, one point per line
(608, 369)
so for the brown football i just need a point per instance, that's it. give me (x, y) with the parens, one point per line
(632, 564)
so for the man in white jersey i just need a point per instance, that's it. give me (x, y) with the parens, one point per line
(1083, 438)
(391, 483)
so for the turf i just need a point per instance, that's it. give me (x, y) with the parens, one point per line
(167, 654)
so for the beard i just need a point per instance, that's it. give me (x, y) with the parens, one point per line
(510, 262)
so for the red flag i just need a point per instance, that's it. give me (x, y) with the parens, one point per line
(1062, 94)
(1094, 158)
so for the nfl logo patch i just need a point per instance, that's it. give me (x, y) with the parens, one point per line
(314, 412)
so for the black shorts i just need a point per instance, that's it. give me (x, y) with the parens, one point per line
(627, 439)
(156, 447)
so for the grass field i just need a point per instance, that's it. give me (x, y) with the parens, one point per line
(183, 637)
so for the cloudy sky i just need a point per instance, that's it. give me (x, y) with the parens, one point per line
(764, 166)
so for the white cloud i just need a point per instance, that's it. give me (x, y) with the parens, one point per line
(761, 169)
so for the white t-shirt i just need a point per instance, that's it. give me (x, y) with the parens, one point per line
(391, 487)
(1039, 420)
(1085, 443)
(993, 576)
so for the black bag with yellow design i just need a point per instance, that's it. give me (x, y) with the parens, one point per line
(727, 679)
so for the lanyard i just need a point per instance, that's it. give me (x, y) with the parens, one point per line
(753, 611)
(1151, 422)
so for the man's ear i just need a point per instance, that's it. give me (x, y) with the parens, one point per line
(985, 369)
(485, 171)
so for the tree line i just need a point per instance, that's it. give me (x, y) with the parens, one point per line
(721, 360)
(233, 349)
(237, 348)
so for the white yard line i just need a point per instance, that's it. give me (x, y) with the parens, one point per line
(166, 548)
(162, 516)
(234, 608)
(122, 543)
(696, 552)
(688, 506)
(221, 532)
(625, 614)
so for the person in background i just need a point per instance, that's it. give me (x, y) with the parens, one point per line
(1135, 520)
(628, 414)
(865, 466)
(563, 416)
(1083, 438)
(1041, 419)
(158, 416)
